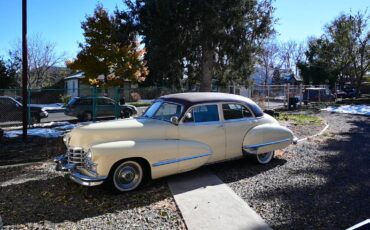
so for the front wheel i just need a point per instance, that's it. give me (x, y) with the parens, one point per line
(127, 176)
(264, 158)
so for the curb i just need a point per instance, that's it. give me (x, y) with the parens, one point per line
(317, 134)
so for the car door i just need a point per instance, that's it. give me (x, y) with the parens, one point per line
(238, 119)
(202, 123)
(106, 107)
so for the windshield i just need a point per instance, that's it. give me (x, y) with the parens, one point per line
(163, 111)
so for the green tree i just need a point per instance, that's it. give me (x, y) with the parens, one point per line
(104, 54)
(200, 40)
(318, 68)
(341, 54)
(8, 75)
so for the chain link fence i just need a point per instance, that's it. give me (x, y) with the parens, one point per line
(87, 103)
(290, 96)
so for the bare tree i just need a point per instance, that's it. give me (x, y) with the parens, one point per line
(270, 58)
(42, 57)
(291, 53)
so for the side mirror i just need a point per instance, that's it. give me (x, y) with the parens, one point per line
(188, 115)
(174, 120)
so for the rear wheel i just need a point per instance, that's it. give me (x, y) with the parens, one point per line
(35, 119)
(264, 158)
(126, 176)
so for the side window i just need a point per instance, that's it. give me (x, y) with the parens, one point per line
(202, 113)
(109, 102)
(103, 101)
(235, 111)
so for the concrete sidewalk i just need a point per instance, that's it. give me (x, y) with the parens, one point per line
(207, 203)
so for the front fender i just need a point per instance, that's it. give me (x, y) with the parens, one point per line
(165, 157)
(266, 138)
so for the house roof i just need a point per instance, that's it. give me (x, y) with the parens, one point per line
(79, 75)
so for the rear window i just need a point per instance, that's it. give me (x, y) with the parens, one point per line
(256, 110)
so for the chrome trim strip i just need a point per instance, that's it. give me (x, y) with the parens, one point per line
(160, 163)
(265, 144)
(86, 180)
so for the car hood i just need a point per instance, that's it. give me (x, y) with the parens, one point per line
(118, 130)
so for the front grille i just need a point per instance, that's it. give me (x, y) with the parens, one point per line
(76, 156)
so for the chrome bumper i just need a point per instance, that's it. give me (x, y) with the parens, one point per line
(76, 176)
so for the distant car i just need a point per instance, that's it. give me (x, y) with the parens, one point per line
(11, 110)
(82, 108)
(350, 92)
(341, 94)
(317, 95)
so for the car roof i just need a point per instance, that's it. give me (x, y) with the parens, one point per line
(205, 97)
(89, 97)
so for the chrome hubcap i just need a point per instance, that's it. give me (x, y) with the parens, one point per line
(127, 175)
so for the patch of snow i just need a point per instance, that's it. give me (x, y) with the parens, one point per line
(66, 127)
(41, 125)
(51, 124)
(350, 109)
(45, 130)
(40, 132)
(49, 107)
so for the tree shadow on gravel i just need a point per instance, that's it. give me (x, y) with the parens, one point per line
(334, 194)
(59, 199)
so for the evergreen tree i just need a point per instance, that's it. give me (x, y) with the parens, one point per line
(200, 40)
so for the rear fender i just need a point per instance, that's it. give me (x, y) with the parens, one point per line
(266, 138)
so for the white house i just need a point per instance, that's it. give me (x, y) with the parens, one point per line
(72, 84)
(74, 87)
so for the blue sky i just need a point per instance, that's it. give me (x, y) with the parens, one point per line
(59, 21)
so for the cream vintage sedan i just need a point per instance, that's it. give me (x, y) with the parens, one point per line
(177, 133)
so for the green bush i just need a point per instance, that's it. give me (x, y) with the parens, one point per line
(65, 99)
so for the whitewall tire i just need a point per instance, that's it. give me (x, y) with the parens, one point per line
(264, 158)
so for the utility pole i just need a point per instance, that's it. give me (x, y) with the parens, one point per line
(24, 68)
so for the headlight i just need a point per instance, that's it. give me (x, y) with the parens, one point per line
(89, 164)
(88, 155)
(66, 139)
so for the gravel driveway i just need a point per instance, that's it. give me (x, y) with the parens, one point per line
(38, 197)
(320, 184)
(323, 183)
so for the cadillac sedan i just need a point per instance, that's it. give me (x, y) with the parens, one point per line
(177, 133)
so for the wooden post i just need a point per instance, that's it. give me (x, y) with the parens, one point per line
(24, 69)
